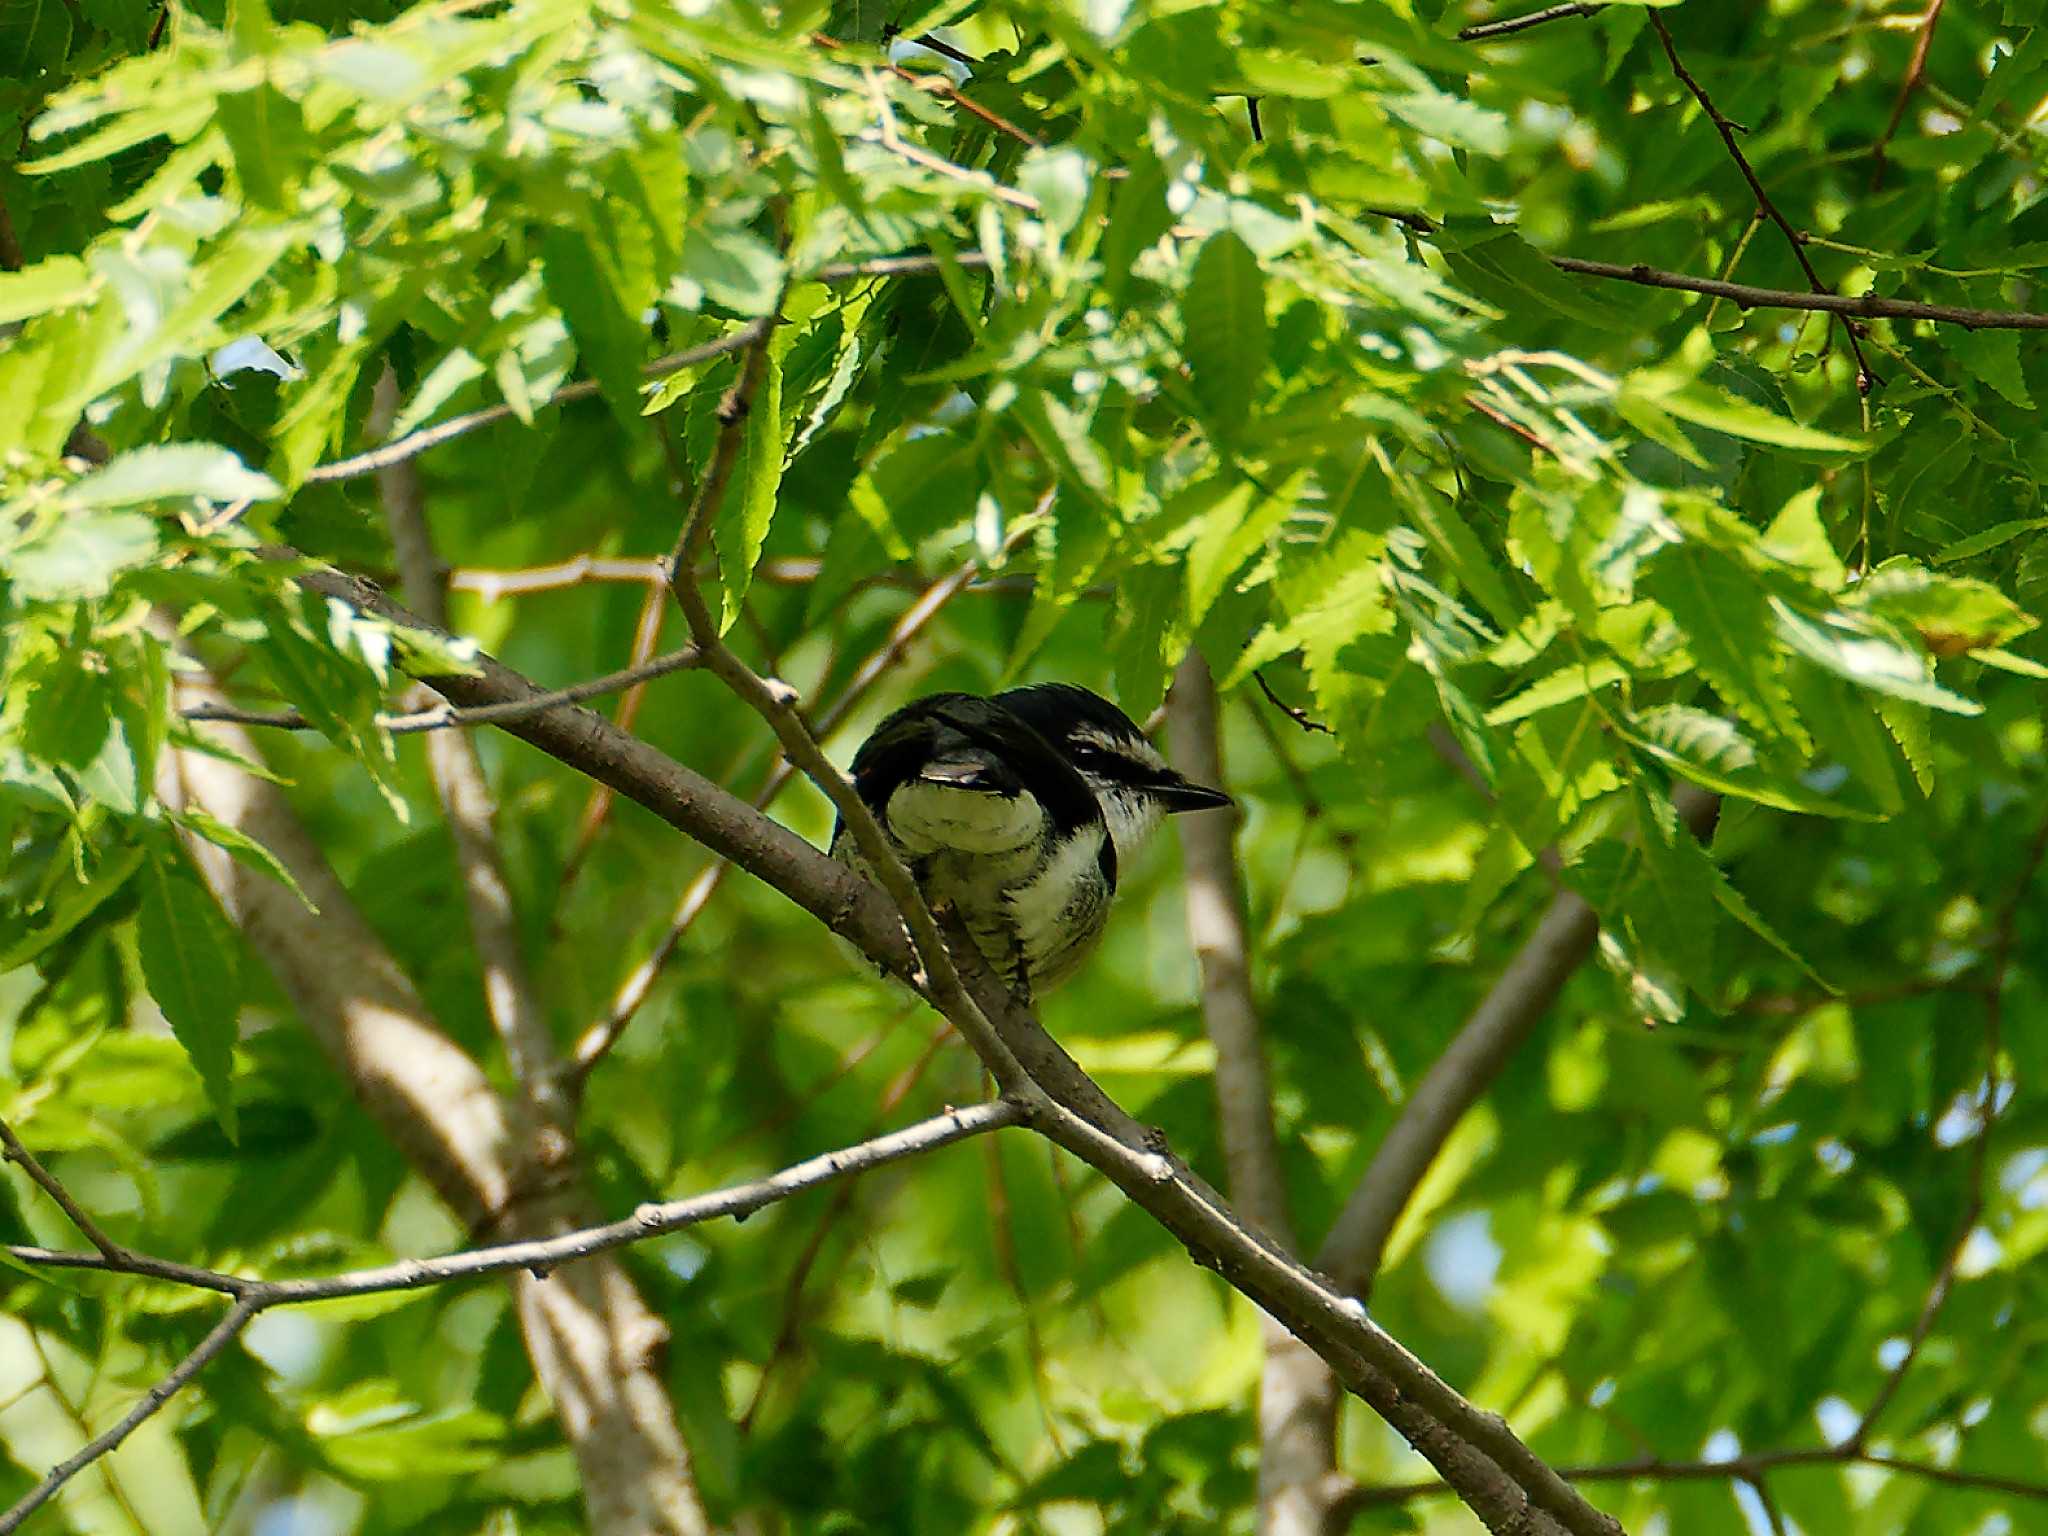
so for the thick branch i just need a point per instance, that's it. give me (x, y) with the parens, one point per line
(470, 811)
(595, 1344)
(1297, 1392)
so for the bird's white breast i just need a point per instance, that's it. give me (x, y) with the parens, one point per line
(928, 818)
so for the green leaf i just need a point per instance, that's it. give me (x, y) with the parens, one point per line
(1726, 619)
(1572, 681)
(189, 963)
(56, 282)
(1867, 653)
(79, 555)
(741, 527)
(611, 340)
(1994, 357)
(1987, 539)
(1237, 524)
(1224, 315)
(74, 903)
(178, 469)
(1712, 753)
(1705, 406)
(734, 268)
(1950, 614)
(243, 848)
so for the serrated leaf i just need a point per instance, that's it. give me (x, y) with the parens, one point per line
(1988, 539)
(1705, 406)
(1993, 357)
(1913, 730)
(189, 963)
(1712, 753)
(1223, 314)
(1867, 653)
(243, 848)
(1570, 682)
(741, 527)
(57, 282)
(79, 555)
(610, 340)
(1726, 618)
(172, 470)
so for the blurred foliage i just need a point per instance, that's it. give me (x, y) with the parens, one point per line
(1173, 382)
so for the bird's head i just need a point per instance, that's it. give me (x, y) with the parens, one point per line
(1134, 784)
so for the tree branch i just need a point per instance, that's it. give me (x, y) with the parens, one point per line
(1747, 1469)
(1916, 69)
(222, 1334)
(1868, 306)
(1495, 1472)
(1487, 31)
(534, 1257)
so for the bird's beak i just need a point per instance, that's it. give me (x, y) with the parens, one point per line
(1184, 796)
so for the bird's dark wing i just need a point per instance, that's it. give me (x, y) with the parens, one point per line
(982, 745)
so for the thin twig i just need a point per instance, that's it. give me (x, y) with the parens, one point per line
(1486, 31)
(1294, 712)
(1746, 1469)
(445, 717)
(1865, 379)
(1916, 69)
(413, 444)
(81, 1218)
(1868, 306)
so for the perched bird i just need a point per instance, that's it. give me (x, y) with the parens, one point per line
(1016, 811)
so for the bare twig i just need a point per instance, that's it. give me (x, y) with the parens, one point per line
(492, 585)
(1868, 306)
(1744, 1469)
(538, 1257)
(1294, 712)
(1865, 379)
(1916, 69)
(80, 1218)
(1486, 31)
(444, 717)
(413, 444)
(1298, 1394)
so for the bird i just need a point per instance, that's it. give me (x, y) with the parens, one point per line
(1017, 811)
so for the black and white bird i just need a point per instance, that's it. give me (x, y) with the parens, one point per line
(1017, 811)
